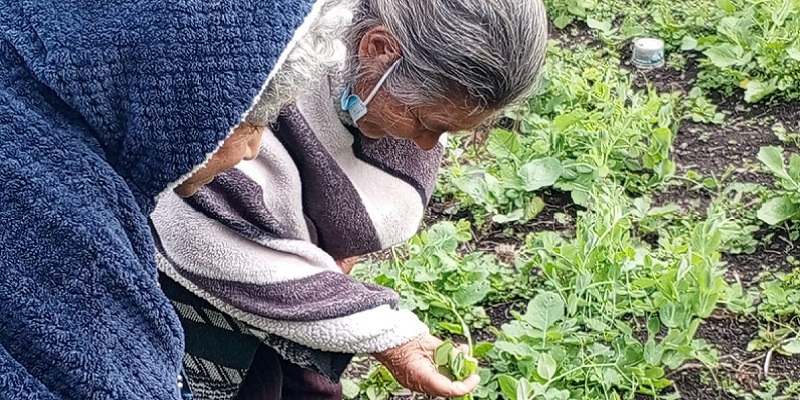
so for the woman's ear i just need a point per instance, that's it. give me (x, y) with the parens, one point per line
(378, 50)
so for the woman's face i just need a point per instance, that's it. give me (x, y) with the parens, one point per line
(388, 116)
(243, 144)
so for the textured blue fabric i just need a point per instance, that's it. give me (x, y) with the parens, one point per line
(102, 105)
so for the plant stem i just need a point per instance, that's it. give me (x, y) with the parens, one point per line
(464, 327)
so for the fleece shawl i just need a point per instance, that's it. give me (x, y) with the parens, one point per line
(103, 106)
(259, 243)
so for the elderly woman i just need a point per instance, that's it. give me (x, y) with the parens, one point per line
(252, 260)
(105, 105)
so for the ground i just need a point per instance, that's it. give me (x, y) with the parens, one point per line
(726, 150)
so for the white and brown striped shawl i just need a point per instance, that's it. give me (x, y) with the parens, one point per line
(259, 243)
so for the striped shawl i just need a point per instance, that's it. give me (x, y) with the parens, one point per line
(260, 242)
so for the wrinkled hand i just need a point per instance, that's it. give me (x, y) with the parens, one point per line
(412, 366)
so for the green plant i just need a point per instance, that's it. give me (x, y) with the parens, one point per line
(563, 13)
(455, 365)
(446, 288)
(698, 108)
(586, 124)
(779, 311)
(733, 199)
(769, 389)
(752, 45)
(580, 338)
(789, 138)
(784, 204)
(614, 301)
(755, 47)
(676, 61)
(378, 384)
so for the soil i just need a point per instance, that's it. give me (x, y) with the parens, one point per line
(711, 150)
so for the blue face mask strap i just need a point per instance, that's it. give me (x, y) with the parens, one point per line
(356, 107)
(382, 81)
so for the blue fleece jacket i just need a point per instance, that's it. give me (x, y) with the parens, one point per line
(103, 104)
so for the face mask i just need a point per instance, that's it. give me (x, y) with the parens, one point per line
(353, 104)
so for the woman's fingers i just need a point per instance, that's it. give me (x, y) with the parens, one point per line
(437, 384)
(412, 366)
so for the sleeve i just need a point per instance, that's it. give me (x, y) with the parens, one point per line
(17, 383)
(286, 287)
(81, 313)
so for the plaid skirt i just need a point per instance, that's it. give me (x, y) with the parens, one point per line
(227, 359)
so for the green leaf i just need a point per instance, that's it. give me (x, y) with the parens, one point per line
(546, 368)
(534, 207)
(513, 216)
(654, 372)
(442, 354)
(540, 173)
(556, 394)
(469, 368)
(772, 157)
(564, 121)
(757, 90)
(778, 209)
(707, 355)
(597, 325)
(665, 168)
(544, 311)
(725, 55)
(350, 389)
(793, 347)
(457, 366)
(469, 295)
(653, 326)
(779, 14)
(443, 236)
(794, 167)
(794, 53)
(632, 28)
(452, 328)
(603, 26)
(562, 21)
(688, 43)
(482, 349)
(672, 314)
(726, 5)
(663, 136)
(508, 386)
(503, 143)
(523, 389)
(373, 393)
(653, 352)
(611, 377)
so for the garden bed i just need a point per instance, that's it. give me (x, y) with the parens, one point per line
(640, 184)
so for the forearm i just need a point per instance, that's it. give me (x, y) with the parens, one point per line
(352, 329)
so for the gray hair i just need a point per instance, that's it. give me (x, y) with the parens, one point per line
(319, 49)
(491, 49)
